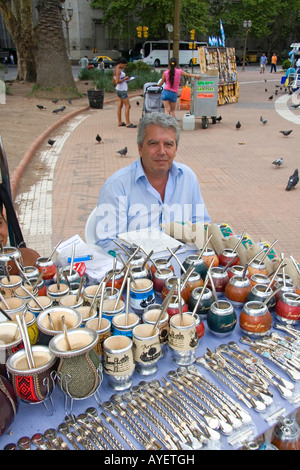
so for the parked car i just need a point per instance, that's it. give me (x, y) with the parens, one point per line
(108, 62)
(240, 61)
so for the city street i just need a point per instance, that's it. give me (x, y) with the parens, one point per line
(239, 183)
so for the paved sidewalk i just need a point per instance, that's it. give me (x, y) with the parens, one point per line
(234, 168)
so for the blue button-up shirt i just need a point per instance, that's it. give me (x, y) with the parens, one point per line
(127, 202)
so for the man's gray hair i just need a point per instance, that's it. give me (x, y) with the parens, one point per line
(158, 119)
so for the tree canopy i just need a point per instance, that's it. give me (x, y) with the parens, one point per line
(276, 21)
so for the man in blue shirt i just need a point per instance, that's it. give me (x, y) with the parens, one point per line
(151, 191)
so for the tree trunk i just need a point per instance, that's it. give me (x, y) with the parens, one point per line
(53, 66)
(18, 19)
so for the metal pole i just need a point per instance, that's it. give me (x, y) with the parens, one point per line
(176, 36)
(245, 46)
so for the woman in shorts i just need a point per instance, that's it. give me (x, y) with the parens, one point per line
(120, 80)
(171, 78)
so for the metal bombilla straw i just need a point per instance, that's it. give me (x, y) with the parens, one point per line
(113, 276)
(4, 301)
(255, 256)
(203, 290)
(101, 305)
(152, 261)
(25, 338)
(64, 328)
(295, 264)
(264, 303)
(54, 249)
(204, 247)
(35, 284)
(72, 258)
(23, 275)
(164, 307)
(57, 278)
(268, 250)
(147, 258)
(274, 275)
(283, 270)
(179, 300)
(127, 300)
(176, 257)
(239, 242)
(122, 287)
(79, 289)
(173, 252)
(33, 298)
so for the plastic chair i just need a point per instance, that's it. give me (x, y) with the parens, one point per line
(89, 230)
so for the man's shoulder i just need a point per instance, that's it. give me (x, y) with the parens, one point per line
(183, 169)
(122, 173)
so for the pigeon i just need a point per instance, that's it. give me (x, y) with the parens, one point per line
(51, 142)
(264, 121)
(98, 138)
(278, 162)
(40, 106)
(271, 97)
(238, 125)
(59, 109)
(69, 101)
(137, 103)
(286, 133)
(123, 151)
(55, 101)
(276, 92)
(293, 180)
(295, 106)
(219, 118)
(266, 89)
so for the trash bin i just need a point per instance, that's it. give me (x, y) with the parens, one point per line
(96, 98)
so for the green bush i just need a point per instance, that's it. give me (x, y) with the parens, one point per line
(286, 64)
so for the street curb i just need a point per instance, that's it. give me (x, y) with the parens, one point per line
(18, 172)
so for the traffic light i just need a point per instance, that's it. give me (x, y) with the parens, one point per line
(139, 30)
(192, 33)
(145, 31)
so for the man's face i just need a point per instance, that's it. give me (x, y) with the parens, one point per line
(158, 150)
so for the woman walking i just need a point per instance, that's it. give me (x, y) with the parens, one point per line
(171, 78)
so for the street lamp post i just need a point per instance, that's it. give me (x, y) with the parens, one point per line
(247, 25)
(67, 16)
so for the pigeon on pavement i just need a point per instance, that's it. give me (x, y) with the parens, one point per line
(40, 106)
(238, 125)
(278, 162)
(271, 97)
(293, 180)
(264, 121)
(51, 142)
(98, 138)
(59, 109)
(286, 133)
(123, 151)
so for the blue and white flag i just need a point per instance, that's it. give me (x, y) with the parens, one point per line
(222, 33)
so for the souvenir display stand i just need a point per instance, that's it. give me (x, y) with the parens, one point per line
(222, 391)
(221, 61)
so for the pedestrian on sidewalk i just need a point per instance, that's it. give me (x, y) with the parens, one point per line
(273, 63)
(101, 64)
(171, 78)
(263, 61)
(152, 191)
(120, 79)
(84, 62)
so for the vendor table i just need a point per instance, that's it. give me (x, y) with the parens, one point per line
(32, 419)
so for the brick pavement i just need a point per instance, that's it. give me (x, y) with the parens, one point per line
(238, 181)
